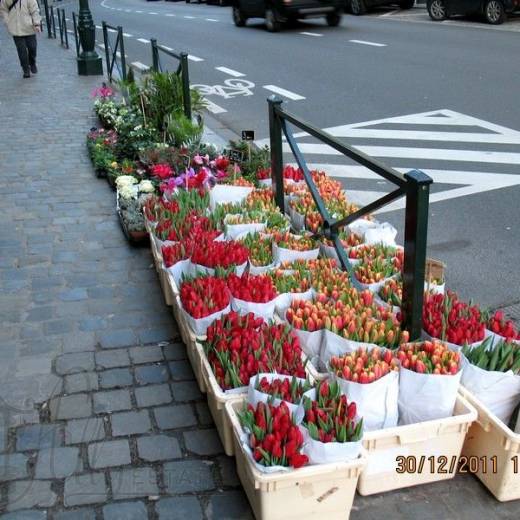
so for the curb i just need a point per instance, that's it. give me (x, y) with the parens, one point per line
(216, 133)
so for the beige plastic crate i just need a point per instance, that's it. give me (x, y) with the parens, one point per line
(423, 446)
(165, 285)
(217, 400)
(324, 491)
(195, 355)
(492, 452)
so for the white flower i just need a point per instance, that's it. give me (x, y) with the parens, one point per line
(146, 186)
(125, 180)
(128, 192)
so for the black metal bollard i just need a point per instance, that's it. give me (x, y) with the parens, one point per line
(275, 136)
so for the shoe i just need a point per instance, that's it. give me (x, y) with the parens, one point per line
(26, 74)
(34, 69)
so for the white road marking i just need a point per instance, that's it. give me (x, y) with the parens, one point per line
(283, 92)
(213, 108)
(101, 45)
(189, 17)
(70, 32)
(210, 20)
(311, 34)
(111, 30)
(128, 35)
(143, 40)
(231, 72)
(99, 27)
(141, 12)
(373, 44)
(140, 66)
(169, 14)
(194, 58)
(168, 48)
(149, 12)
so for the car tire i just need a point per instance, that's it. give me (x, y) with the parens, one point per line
(357, 7)
(406, 4)
(333, 19)
(238, 17)
(494, 12)
(272, 23)
(437, 10)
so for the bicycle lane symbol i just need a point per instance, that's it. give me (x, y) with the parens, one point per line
(230, 89)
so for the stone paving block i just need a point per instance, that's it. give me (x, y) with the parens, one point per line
(156, 334)
(73, 406)
(112, 359)
(76, 514)
(204, 414)
(125, 511)
(27, 514)
(53, 463)
(188, 476)
(108, 453)
(181, 370)
(79, 342)
(151, 374)
(203, 442)
(24, 494)
(58, 326)
(117, 338)
(85, 489)
(149, 354)
(228, 471)
(101, 291)
(186, 391)
(74, 295)
(38, 436)
(232, 505)
(133, 482)
(175, 416)
(158, 447)
(112, 401)
(3, 440)
(71, 363)
(82, 382)
(84, 430)
(115, 378)
(179, 508)
(93, 323)
(13, 466)
(40, 314)
(152, 395)
(129, 423)
(174, 351)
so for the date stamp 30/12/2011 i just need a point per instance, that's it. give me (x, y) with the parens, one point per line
(443, 465)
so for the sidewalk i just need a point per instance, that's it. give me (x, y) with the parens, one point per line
(80, 392)
(101, 417)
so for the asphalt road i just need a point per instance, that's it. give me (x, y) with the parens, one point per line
(458, 81)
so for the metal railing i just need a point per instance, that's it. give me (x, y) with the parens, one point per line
(182, 69)
(414, 185)
(76, 34)
(113, 53)
(62, 24)
(52, 23)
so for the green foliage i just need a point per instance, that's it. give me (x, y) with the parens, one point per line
(254, 158)
(181, 131)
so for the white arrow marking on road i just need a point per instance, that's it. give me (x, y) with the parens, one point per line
(231, 72)
(283, 92)
(311, 34)
(373, 44)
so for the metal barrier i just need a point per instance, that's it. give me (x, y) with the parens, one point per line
(76, 35)
(62, 24)
(111, 55)
(182, 69)
(52, 23)
(47, 18)
(414, 185)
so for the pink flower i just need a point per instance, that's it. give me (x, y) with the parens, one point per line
(103, 92)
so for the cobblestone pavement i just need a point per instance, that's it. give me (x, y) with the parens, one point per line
(100, 415)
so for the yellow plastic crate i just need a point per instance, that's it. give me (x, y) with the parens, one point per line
(492, 452)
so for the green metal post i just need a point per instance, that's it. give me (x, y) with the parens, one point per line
(107, 50)
(155, 55)
(275, 136)
(47, 18)
(89, 63)
(64, 25)
(76, 39)
(122, 51)
(415, 239)
(185, 77)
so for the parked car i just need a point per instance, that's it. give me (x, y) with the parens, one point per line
(358, 7)
(493, 11)
(279, 12)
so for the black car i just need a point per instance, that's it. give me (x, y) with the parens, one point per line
(493, 11)
(278, 12)
(358, 7)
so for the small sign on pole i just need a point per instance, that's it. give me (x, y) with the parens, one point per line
(248, 135)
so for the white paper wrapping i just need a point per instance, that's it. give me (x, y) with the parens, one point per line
(310, 342)
(426, 397)
(234, 231)
(197, 269)
(335, 345)
(284, 300)
(224, 193)
(383, 233)
(262, 310)
(160, 243)
(200, 326)
(255, 396)
(297, 219)
(267, 183)
(261, 269)
(327, 452)
(280, 254)
(499, 391)
(455, 347)
(376, 402)
(179, 269)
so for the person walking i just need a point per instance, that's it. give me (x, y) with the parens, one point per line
(23, 21)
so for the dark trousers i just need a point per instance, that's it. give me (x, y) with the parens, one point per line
(26, 47)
